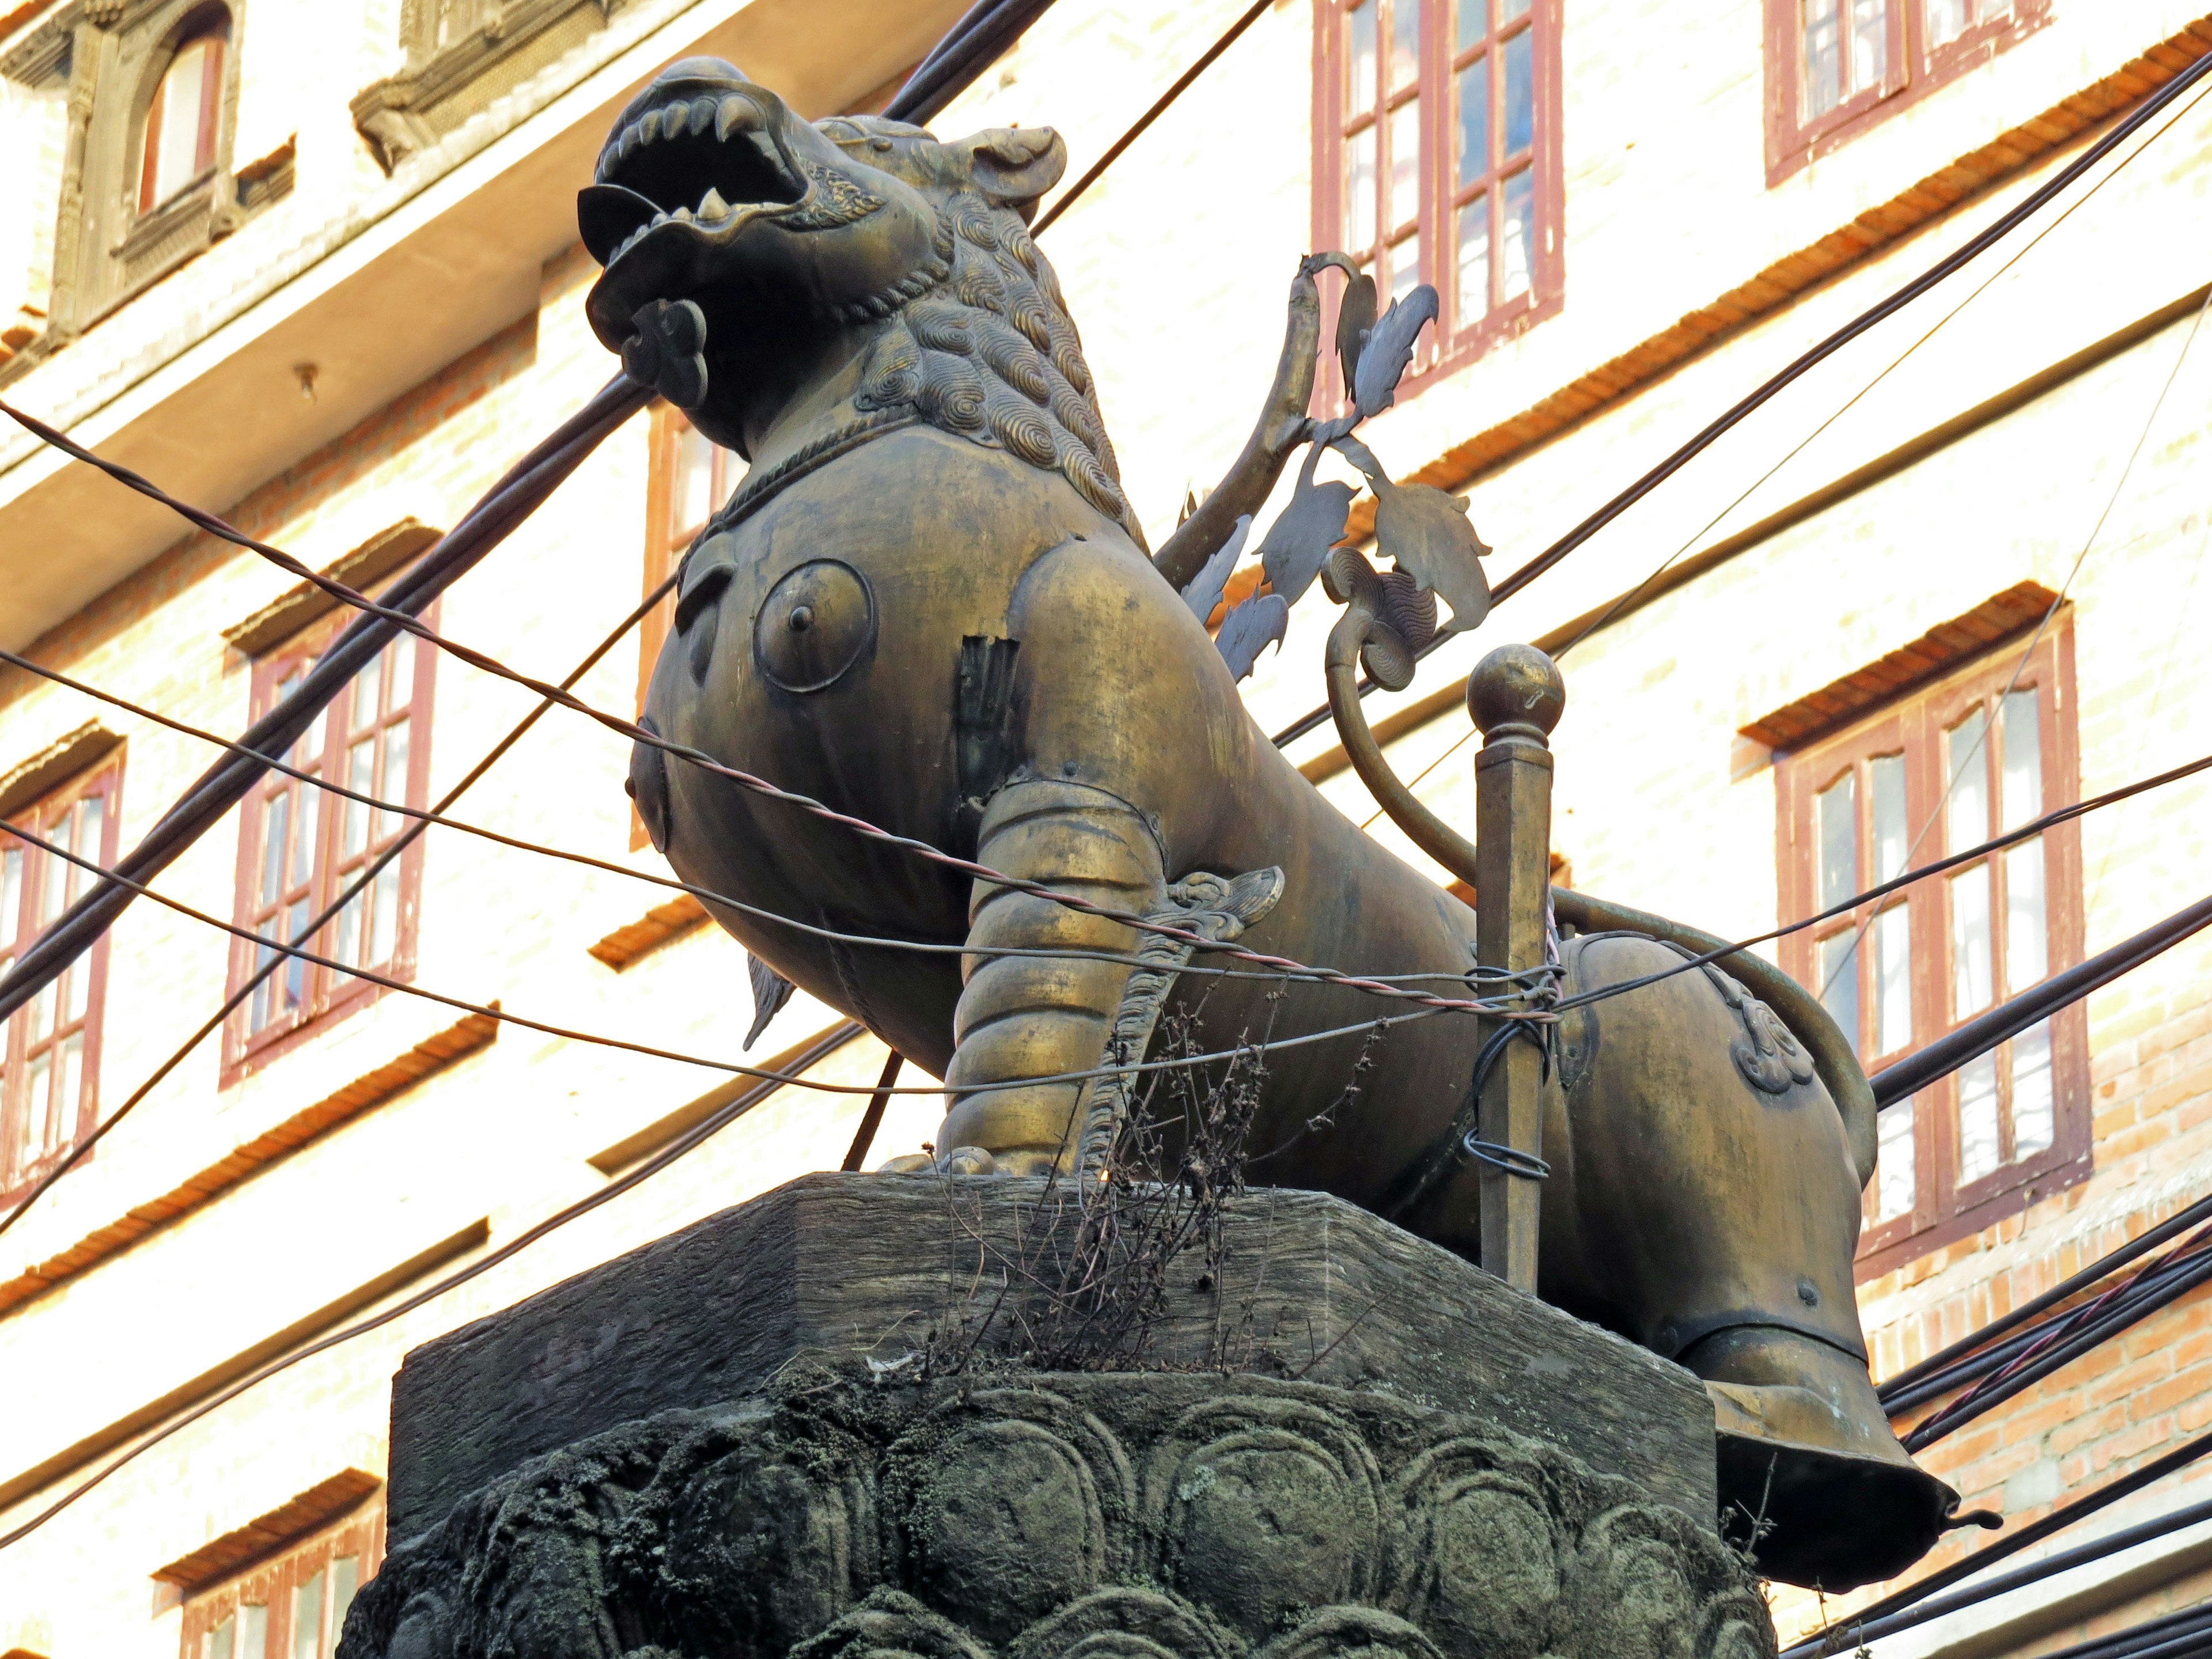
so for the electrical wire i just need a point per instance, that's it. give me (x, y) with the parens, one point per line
(692, 1139)
(2034, 1532)
(1181, 84)
(1951, 263)
(359, 885)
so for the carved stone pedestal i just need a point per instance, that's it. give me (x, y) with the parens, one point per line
(804, 1426)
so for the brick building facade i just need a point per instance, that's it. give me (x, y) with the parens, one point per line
(315, 268)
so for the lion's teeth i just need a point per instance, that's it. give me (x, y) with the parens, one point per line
(674, 120)
(631, 138)
(703, 115)
(735, 111)
(712, 206)
(685, 214)
(650, 126)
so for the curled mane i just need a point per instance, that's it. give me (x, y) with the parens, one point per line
(990, 353)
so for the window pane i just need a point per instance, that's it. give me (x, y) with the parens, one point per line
(55, 897)
(1474, 121)
(79, 980)
(393, 786)
(91, 816)
(1893, 980)
(1966, 809)
(69, 1099)
(383, 936)
(42, 1011)
(303, 836)
(361, 777)
(2022, 787)
(1970, 941)
(1513, 9)
(175, 136)
(1404, 267)
(309, 749)
(11, 896)
(295, 966)
(1517, 250)
(1839, 982)
(1520, 92)
(1474, 22)
(253, 1632)
(1405, 42)
(347, 933)
(1360, 191)
(1947, 21)
(402, 671)
(307, 1618)
(1894, 1175)
(695, 477)
(368, 693)
(1869, 43)
(1839, 841)
(1891, 838)
(1978, 1152)
(1405, 162)
(1474, 260)
(2034, 1122)
(272, 848)
(1823, 62)
(263, 1009)
(223, 1638)
(2026, 935)
(38, 1101)
(1360, 60)
(345, 1579)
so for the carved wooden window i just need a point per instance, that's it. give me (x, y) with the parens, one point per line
(1935, 773)
(178, 148)
(291, 1608)
(1437, 157)
(1834, 67)
(49, 1086)
(689, 477)
(300, 845)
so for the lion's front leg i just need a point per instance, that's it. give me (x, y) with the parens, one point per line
(1022, 1017)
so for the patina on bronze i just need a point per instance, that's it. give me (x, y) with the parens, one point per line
(931, 609)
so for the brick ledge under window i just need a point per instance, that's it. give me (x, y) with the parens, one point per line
(264, 1536)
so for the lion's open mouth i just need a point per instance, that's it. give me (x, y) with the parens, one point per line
(704, 160)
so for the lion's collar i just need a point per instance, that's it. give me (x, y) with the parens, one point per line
(761, 488)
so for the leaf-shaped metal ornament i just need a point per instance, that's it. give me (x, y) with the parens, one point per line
(1298, 542)
(1204, 590)
(1427, 534)
(771, 990)
(1355, 315)
(1260, 621)
(1389, 348)
(668, 351)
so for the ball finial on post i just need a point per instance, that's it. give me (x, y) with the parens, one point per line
(1515, 686)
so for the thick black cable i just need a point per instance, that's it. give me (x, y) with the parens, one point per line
(689, 1141)
(1880, 312)
(2049, 1567)
(1980, 1034)
(359, 885)
(493, 1010)
(2186, 1634)
(223, 786)
(2034, 1532)
(983, 35)
(1181, 84)
(2174, 1225)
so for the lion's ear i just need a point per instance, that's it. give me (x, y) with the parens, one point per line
(1014, 166)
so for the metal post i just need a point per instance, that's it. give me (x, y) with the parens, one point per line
(1515, 697)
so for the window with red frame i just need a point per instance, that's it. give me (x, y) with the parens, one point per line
(1436, 156)
(1936, 773)
(690, 475)
(180, 142)
(1833, 67)
(48, 1090)
(301, 847)
(291, 1608)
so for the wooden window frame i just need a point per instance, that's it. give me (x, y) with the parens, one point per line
(102, 780)
(274, 1584)
(213, 28)
(666, 541)
(1455, 341)
(323, 997)
(1913, 69)
(1914, 724)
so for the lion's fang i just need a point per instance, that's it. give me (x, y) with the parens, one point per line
(712, 206)
(735, 112)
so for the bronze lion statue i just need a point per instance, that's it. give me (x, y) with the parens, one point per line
(930, 606)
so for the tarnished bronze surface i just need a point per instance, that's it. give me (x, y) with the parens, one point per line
(987, 661)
